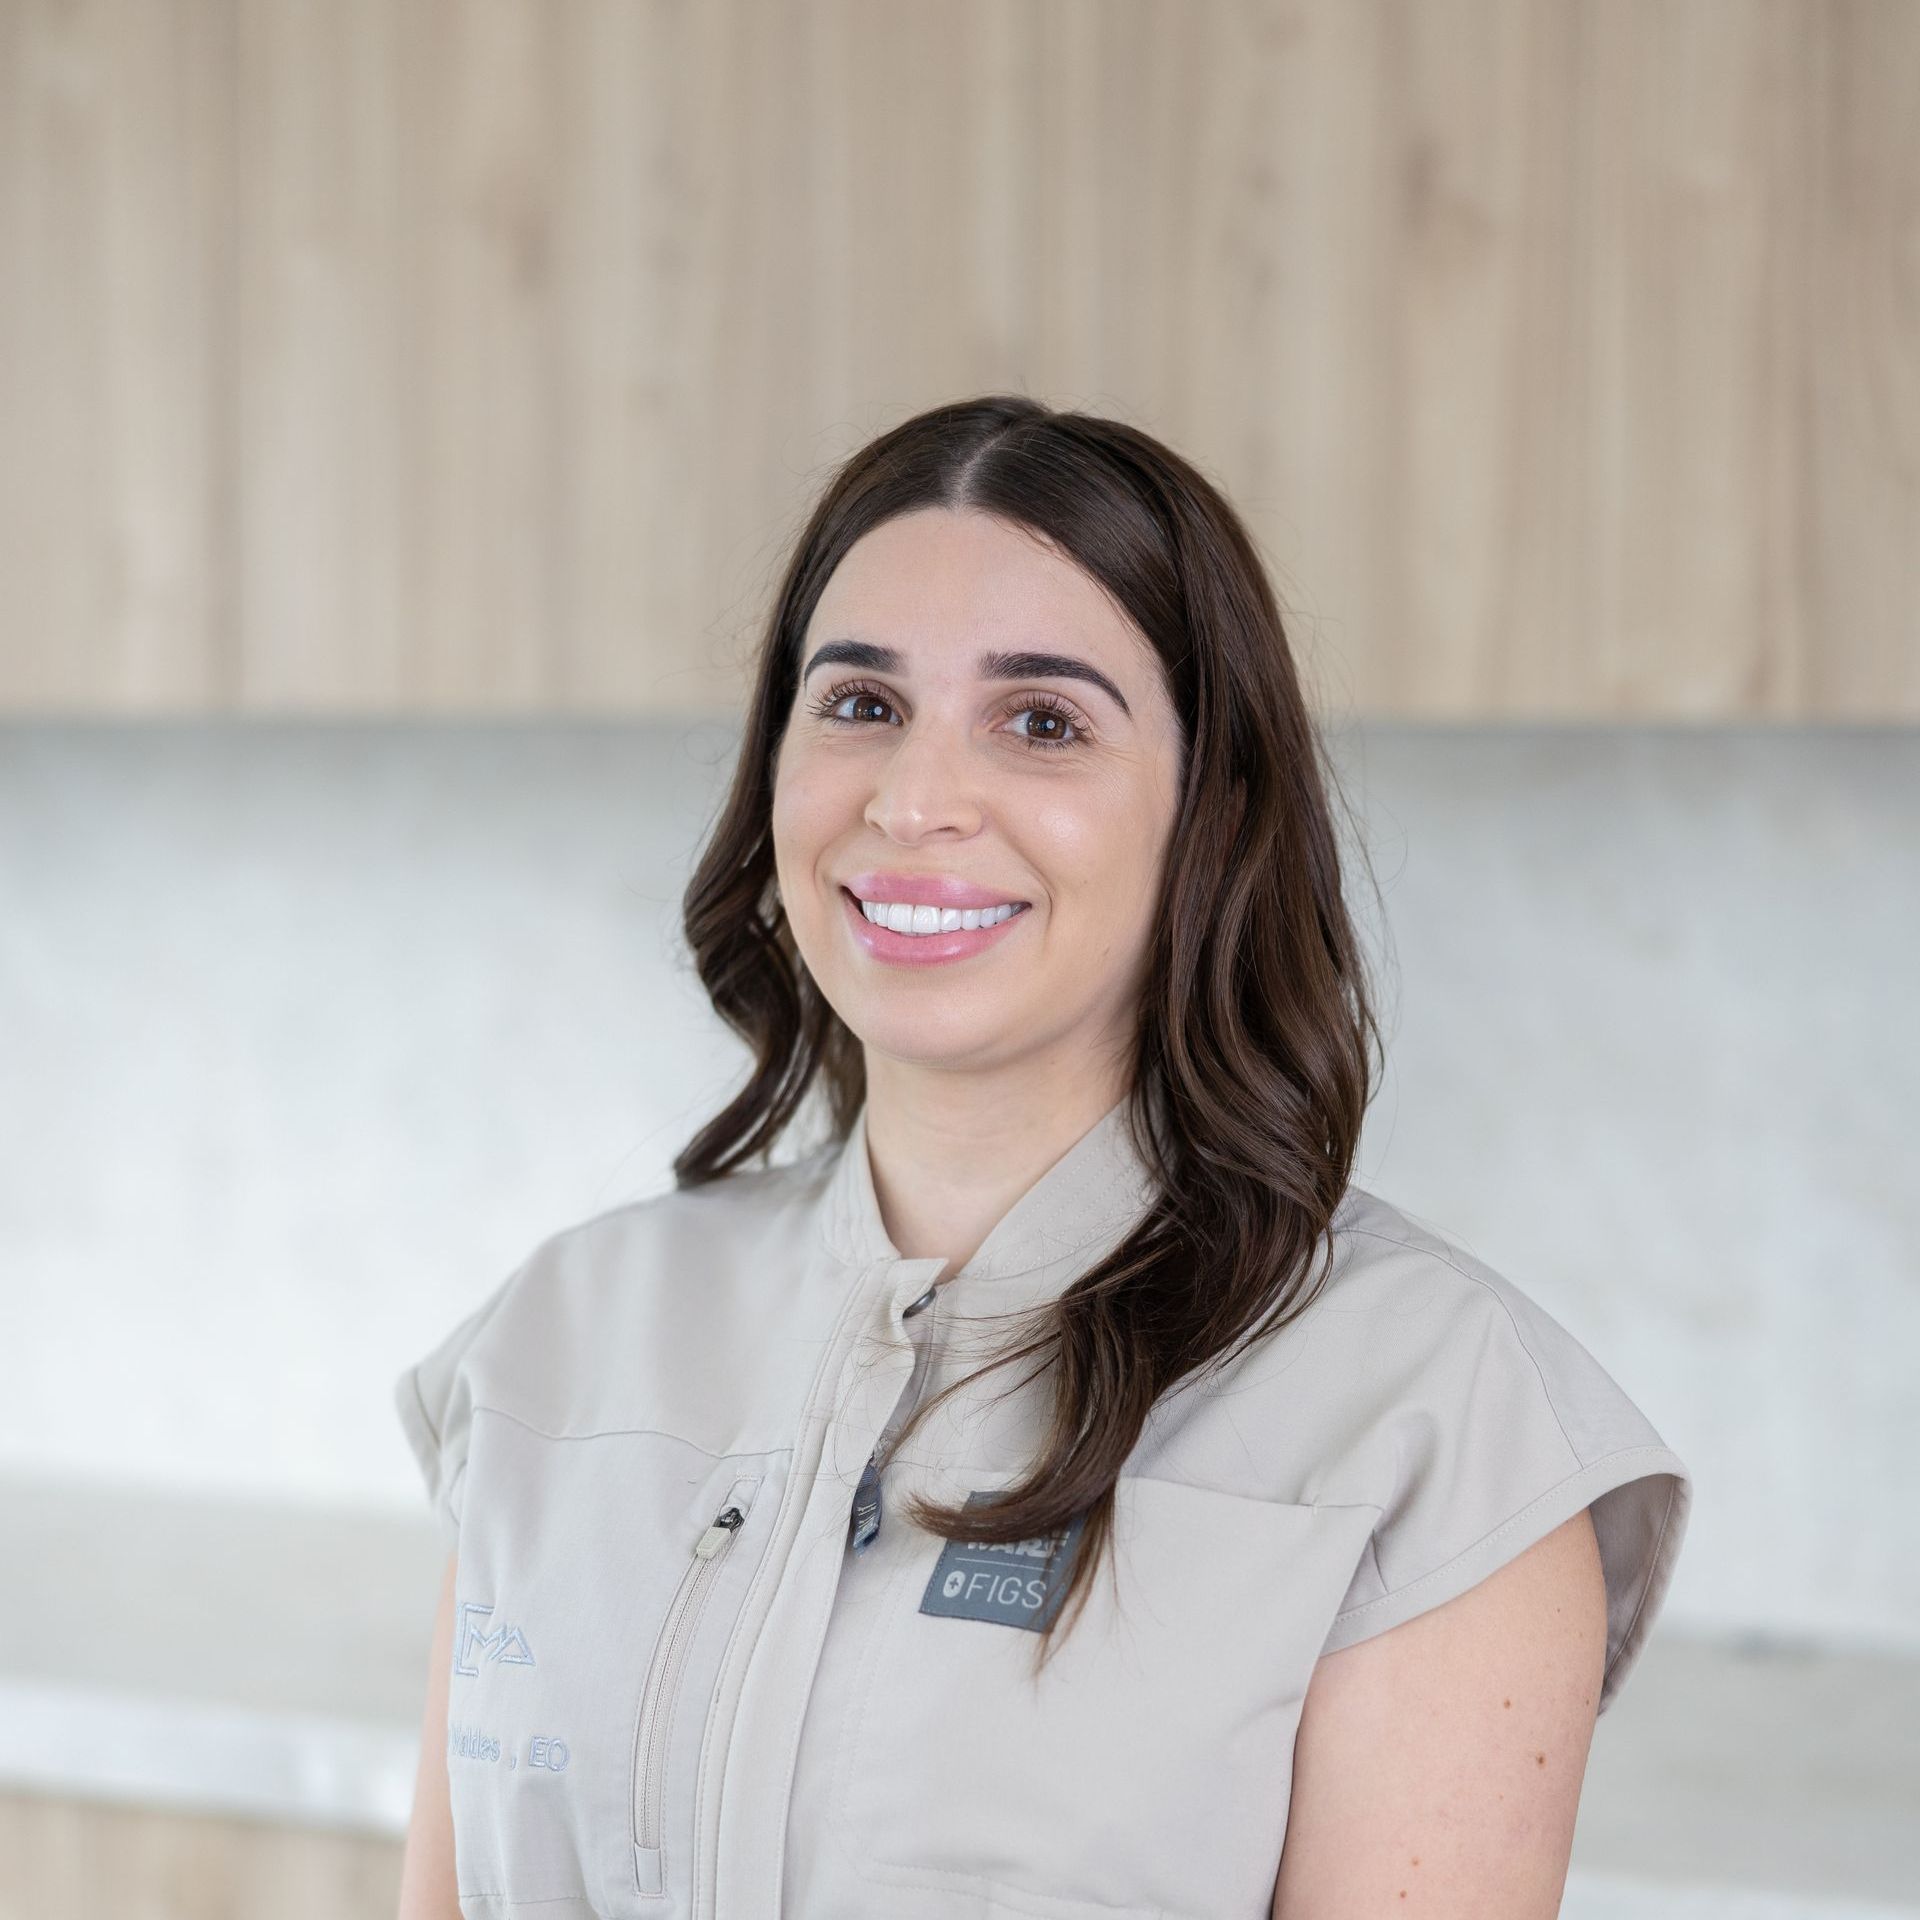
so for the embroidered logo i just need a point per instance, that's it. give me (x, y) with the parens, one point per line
(1016, 1583)
(474, 1641)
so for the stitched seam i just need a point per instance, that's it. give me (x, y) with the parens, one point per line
(690, 1625)
(420, 1401)
(799, 1486)
(1539, 1373)
(1373, 1554)
(486, 1314)
(1005, 1893)
(839, 1818)
(608, 1433)
(524, 1899)
(843, 1250)
(836, 1237)
(1254, 1499)
(1557, 1490)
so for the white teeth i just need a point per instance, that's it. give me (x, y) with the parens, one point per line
(901, 917)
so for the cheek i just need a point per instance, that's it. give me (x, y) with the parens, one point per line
(1099, 850)
(809, 808)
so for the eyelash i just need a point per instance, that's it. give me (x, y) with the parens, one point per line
(822, 709)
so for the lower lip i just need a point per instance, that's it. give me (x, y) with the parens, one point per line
(925, 949)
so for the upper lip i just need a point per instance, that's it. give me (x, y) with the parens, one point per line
(927, 890)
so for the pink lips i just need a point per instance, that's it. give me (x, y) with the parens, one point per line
(926, 949)
(924, 890)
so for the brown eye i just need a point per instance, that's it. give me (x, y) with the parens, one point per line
(856, 695)
(1055, 725)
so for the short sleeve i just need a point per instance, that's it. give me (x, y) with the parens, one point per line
(1497, 1432)
(434, 1398)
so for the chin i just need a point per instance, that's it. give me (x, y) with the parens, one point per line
(957, 1040)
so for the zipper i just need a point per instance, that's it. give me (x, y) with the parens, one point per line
(662, 1684)
(863, 1523)
(791, 1521)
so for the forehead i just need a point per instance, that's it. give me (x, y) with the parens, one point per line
(940, 582)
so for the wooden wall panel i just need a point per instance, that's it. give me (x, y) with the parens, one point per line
(116, 389)
(1563, 354)
(84, 1859)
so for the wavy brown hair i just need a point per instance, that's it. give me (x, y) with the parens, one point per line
(1256, 1046)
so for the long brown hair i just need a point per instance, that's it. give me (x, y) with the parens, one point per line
(1256, 1043)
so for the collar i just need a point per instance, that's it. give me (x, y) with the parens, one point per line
(1080, 1208)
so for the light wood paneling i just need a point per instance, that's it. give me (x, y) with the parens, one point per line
(1563, 354)
(116, 367)
(83, 1860)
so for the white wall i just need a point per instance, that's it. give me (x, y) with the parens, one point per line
(309, 1032)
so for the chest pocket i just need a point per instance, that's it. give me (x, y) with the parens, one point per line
(1146, 1770)
(599, 1580)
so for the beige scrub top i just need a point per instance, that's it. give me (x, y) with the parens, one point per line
(678, 1689)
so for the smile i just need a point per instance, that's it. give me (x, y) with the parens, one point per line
(902, 916)
(901, 933)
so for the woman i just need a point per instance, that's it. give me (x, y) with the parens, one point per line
(1064, 1492)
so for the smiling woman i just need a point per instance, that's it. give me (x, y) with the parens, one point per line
(1327, 1543)
(957, 775)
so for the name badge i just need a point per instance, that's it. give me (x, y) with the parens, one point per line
(1017, 1583)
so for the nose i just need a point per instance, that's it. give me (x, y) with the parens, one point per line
(926, 785)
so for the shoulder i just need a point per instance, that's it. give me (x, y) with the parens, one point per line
(1405, 1334)
(1431, 1312)
(1474, 1424)
(1438, 1421)
(720, 1225)
(624, 1316)
(1387, 1261)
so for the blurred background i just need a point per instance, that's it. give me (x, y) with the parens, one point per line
(404, 409)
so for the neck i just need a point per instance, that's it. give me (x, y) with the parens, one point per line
(951, 1152)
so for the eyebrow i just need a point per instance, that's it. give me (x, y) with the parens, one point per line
(993, 665)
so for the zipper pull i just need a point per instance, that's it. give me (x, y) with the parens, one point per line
(863, 1522)
(716, 1536)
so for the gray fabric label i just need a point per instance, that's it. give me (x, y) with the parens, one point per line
(1016, 1584)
